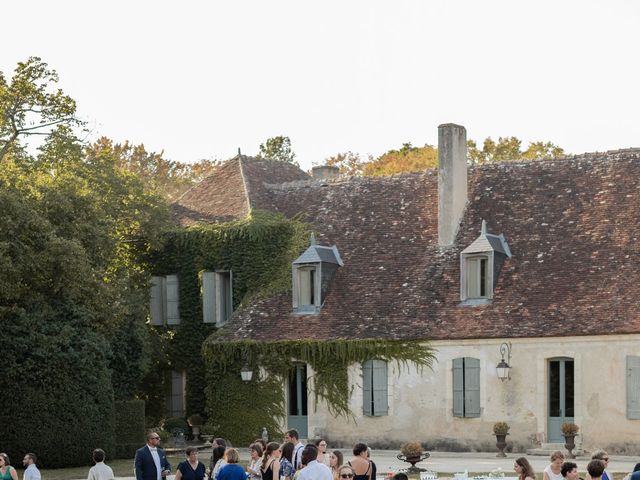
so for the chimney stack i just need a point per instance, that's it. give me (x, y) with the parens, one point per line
(325, 172)
(452, 181)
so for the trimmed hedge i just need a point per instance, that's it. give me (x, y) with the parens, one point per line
(130, 428)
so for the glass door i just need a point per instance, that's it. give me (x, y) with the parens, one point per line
(297, 400)
(560, 397)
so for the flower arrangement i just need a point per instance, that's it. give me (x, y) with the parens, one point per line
(501, 428)
(411, 449)
(569, 429)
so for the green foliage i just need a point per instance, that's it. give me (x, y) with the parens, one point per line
(170, 424)
(509, 149)
(129, 427)
(241, 409)
(278, 149)
(406, 159)
(32, 105)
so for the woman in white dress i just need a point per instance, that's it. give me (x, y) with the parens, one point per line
(552, 471)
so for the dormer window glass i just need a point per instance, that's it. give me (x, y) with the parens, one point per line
(480, 265)
(312, 273)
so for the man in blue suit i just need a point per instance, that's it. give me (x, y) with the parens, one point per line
(151, 461)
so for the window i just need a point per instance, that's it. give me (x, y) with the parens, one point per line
(476, 277)
(165, 308)
(217, 297)
(466, 387)
(374, 388)
(176, 400)
(307, 283)
(633, 387)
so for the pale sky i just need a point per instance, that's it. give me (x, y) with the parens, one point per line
(198, 79)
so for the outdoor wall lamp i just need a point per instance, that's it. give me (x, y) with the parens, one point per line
(245, 372)
(503, 368)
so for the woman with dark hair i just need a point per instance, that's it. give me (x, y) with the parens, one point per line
(524, 469)
(322, 452)
(286, 460)
(270, 464)
(217, 460)
(255, 451)
(191, 468)
(335, 462)
(7, 472)
(360, 462)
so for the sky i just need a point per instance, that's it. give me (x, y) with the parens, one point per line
(200, 79)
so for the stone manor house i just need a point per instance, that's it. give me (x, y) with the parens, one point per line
(531, 266)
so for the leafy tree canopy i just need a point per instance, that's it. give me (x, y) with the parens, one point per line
(278, 149)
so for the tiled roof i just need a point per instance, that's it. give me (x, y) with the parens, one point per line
(572, 226)
(237, 186)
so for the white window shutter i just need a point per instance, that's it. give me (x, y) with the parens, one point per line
(471, 387)
(633, 387)
(157, 300)
(367, 388)
(208, 297)
(473, 278)
(304, 286)
(173, 308)
(379, 382)
(458, 387)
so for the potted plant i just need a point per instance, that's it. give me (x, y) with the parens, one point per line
(195, 421)
(569, 432)
(412, 452)
(501, 430)
(207, 432)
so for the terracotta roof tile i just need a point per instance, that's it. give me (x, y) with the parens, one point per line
(572, 225)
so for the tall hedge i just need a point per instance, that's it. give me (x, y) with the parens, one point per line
(130, 428)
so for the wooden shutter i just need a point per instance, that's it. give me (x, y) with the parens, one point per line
(173, 310)
(633, 387)
(157, 301)
(208, 297)
(367, 387)
(379, 382)
(458, 387)
(471, 387)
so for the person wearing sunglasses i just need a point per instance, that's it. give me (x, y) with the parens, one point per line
(151, 461)
(604, 458)
(346, 472)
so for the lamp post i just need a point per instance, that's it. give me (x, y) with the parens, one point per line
(246, 373)
(503, 368)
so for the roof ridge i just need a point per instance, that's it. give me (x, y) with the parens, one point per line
(245, 184)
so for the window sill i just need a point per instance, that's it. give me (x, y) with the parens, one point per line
(475, 302)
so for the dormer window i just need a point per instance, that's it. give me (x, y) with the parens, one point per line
(480, 264)
(312, 273)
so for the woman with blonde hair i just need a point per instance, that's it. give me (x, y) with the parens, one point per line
(231, 470)
(335, 462)
(524, 469)
(7, 472)
(553, 470)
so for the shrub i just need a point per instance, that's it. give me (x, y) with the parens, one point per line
(130, 431)
(195, 420)
(569, 428)
(171, 424)
(501, 428)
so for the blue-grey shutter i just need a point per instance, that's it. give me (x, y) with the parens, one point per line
(173, 309)
(633, 387)
(367, 374)
(458, 387)
(471, 387)
(157, 300)
(380, 397)
(209, 297)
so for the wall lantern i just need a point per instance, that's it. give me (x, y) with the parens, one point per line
(503, 368)
(246, 373)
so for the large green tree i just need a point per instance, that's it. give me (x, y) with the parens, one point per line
(278, 149)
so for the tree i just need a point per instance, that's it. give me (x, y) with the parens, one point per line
(406, 159)
(31, 105)
(277, 148)
(509, 149)
(349, 163)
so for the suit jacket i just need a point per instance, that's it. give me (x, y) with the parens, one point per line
(146, 467)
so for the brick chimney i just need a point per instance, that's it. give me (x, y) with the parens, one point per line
(452, 181)
(325, 172)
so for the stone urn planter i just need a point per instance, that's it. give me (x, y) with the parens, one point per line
(569, 432)
(412, 453)
(501, 430)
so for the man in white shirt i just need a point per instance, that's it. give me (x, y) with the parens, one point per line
(293, 437)
(100, 471)
(31, 471)
(313, 469)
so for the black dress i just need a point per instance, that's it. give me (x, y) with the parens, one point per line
(268, 473)
(189, 473)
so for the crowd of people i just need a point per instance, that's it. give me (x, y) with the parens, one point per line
(561, 469)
